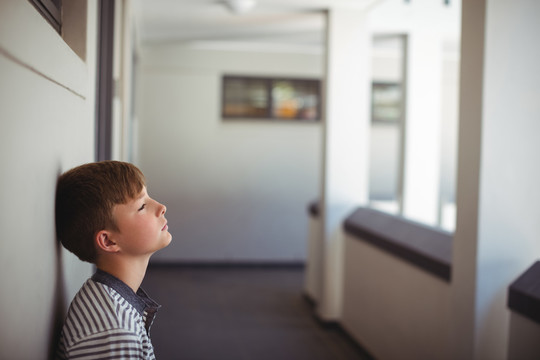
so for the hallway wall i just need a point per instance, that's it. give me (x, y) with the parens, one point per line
(46, 127)
(235, 190)
(508, 227)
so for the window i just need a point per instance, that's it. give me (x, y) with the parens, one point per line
(414, 127)
(271, 98)
(386, 99)
(387, 115)
(50, 10)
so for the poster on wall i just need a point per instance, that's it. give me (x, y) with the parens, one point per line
(259, 98)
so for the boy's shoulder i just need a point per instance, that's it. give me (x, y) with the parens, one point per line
(104, 304)
(96, 308)
(102, 317)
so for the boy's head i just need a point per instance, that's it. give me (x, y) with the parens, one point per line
(85, 198)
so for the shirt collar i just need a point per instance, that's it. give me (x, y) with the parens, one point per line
(139, 300)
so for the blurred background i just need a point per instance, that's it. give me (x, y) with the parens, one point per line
(243, 113)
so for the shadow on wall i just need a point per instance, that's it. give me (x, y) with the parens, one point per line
(59, 305)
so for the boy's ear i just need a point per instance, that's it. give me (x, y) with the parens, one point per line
(105, 242)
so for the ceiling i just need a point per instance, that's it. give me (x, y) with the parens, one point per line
(292, 22)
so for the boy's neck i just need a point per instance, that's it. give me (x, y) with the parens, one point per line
(131, 271)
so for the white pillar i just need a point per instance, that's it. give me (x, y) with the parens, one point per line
(467, 185)
(423, 125)
(345, 146)
(497, 228)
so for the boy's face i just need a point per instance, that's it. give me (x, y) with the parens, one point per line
(142, 226)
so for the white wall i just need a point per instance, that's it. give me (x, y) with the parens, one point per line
(235, 190)
(46, 127)
(391, 307)
(497, 214)
(509, 229)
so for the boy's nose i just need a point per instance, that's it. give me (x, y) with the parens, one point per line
(163, 209)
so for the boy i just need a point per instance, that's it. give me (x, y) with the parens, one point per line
(105, 216)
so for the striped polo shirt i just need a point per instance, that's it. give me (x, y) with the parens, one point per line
(107, 320)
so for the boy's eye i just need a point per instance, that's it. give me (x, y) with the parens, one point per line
(142, 207)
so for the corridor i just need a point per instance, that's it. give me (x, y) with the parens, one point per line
(450, 143)
(240, 313)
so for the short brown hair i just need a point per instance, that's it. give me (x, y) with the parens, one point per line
(85, 197)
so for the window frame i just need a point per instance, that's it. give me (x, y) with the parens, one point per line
(51, 10)
(269, 86)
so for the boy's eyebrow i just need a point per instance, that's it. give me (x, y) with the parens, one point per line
(142, 195)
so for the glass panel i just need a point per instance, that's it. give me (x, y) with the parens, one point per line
(295, 99)
(245, 97)
(415, 111)
(386, 123)
(449, 130)
(386, 102)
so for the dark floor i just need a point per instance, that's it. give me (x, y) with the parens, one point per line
(240, 313)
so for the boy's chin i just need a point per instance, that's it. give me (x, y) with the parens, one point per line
(167, 242)
(162, 245)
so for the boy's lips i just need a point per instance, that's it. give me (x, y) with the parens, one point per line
(165, 227)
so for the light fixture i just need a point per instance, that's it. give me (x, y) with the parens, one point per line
(240, 6)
